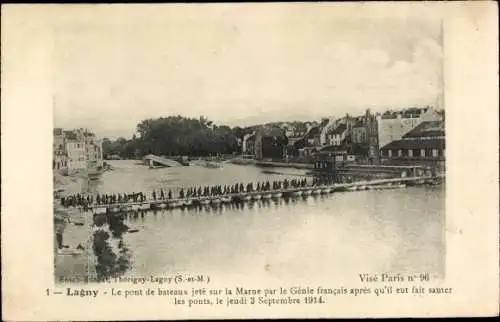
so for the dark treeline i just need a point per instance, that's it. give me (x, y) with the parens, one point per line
(177, 135)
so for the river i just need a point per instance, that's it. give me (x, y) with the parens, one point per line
(398, 230)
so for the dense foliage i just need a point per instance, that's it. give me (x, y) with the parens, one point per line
(176, 135)
(110, 264)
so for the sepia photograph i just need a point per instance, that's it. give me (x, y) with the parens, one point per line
(229, 146)
(247, 160)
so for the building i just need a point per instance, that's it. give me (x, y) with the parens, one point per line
(372, 138)
(58, 141)
(324, 131)
(314, 136)
(425, 144)
(392, 125)
(248, 146)
(59, 156)
(76, 149)
(59, 161)
(76, 155)
(270, 143)
(337, 136)
(93, 152)
(364, 137)
(359, 132)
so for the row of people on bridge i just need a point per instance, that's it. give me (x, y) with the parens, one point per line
(102, 199)
(207, 191)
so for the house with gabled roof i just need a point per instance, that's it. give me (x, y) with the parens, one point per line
(336, 136)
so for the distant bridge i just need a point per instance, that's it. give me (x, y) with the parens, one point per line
(154, 160)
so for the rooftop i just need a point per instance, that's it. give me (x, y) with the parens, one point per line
(359, 123)
(406, 113)
(339, 129)
(427, 129)
(437, 143)
(313, 131)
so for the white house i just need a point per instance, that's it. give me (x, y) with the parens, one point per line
(77, 158)
(336, 136)
(324, 131)
(81, 150)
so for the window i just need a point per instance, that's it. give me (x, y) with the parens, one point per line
(400, 153)
(410, 153)
(435, 152)
(389, 153)
(422, 152)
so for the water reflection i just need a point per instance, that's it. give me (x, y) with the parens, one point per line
(396, 230)
(112, 254)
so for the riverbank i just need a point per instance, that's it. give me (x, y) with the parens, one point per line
(285, 165)
(241, 161)
(71, 184)
(70, 264)
(73, 265)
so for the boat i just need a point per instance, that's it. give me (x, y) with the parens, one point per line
(144, 206)
(205, 201)
(226, 199)
(187, 203)
(256, 197)
(325, 190)
(353, 188)
(297, 193)
(362, 187)
(125, 208)
(389, 186)
(99, 210)
(277, 195)
(267, 196)
(162, 205)
(316, 191)
(246, 197)
(175, 204)
(215, 201)
(306, 192)
(115, 209)
(133, 230)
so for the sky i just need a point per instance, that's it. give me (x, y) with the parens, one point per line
(240, 64)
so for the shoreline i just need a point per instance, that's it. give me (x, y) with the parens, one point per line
(68, 264)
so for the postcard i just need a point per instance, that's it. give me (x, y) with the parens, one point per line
(274, 160)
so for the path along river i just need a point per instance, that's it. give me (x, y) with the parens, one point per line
(400, 230)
